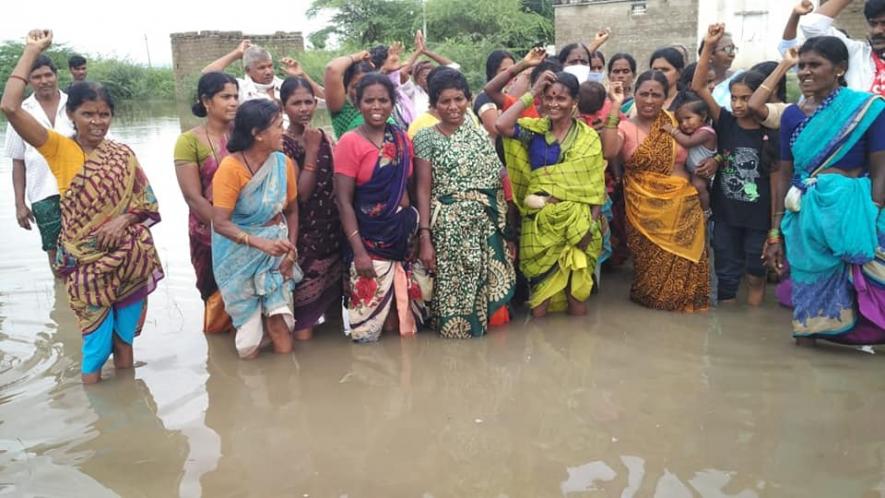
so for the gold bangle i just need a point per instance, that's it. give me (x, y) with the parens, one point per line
(309, 167)
(355, 232)
(763, 85)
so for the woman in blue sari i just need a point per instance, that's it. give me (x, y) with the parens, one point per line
(827, 203)
(255, 226)
(373, 164)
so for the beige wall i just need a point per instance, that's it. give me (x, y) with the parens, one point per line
(191, 52)
(665, 22)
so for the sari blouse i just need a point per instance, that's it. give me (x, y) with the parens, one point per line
(873, 140)
(356, 157)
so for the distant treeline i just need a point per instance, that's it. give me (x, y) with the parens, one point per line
(126, 80)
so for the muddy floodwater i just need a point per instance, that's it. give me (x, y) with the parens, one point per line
(625, 402)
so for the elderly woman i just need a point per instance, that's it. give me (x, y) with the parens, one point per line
(255, 226)
(260, 81)
(721, 59)
(319, 228)
(557, 170)
(665, 222)
(373, 164)
(462, 239)
(105, 250)
(198, 152)
(833, 163)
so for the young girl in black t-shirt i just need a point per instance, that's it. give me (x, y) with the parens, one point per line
(741, 194)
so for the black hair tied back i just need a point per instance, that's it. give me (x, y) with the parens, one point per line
(209, 85)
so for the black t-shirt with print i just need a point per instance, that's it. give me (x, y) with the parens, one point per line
(741, 193)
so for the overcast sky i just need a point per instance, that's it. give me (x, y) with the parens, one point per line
(118, 27)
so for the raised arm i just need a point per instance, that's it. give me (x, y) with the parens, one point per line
(599, 40)
(333, 79)
(222, 62)
(406, 70)
(21, 121)
(293, 68)
(832, 8)
(792, 26)
(611, 141)
(494, 88)
(699, 82)
(506, 123)
(762, 94)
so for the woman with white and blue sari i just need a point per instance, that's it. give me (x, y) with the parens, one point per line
(827, 203)
(255, 226)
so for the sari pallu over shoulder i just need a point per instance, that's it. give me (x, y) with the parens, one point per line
(832, 228)
(385, 227)
(549, 252)
(248, 278)
(111, 183)
(665, 228)
(664, 208)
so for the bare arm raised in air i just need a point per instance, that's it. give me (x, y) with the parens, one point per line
(227, 59)
(762, 94)
(333, 79)
(506, 123)
(494, 88)
(699, 82)
(28, 128)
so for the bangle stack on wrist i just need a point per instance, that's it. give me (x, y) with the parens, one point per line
(243, 238)
(612, 121)
(774, 236)
(527, 99)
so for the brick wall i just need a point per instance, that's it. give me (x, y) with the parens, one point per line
(663, 23)
(191, 52)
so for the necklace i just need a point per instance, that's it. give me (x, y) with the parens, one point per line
(363, 134)
(212, 146)
(246, 162)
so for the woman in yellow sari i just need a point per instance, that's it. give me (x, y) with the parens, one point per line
(555, 164)
(665, 222)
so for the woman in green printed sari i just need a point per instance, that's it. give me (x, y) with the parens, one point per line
(558, 174)
(463, 215)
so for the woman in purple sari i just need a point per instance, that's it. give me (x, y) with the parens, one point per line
(319, 234)
(373, 164)
(198, 152)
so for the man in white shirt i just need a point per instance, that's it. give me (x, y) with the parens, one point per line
(866, 59)
(31, 176)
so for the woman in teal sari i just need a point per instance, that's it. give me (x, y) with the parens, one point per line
(255, 226)
(828, 203)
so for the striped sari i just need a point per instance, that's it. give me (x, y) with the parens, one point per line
(111, 183)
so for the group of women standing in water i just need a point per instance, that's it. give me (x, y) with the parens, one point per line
(287, 224)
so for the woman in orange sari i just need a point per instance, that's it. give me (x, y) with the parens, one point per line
(665, 222)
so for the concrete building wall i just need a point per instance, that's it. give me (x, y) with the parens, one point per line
(664, 22)
(191, 51)
(757, 25)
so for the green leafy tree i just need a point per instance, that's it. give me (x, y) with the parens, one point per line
(464, 30)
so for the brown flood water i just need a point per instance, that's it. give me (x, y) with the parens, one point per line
(625, 402)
